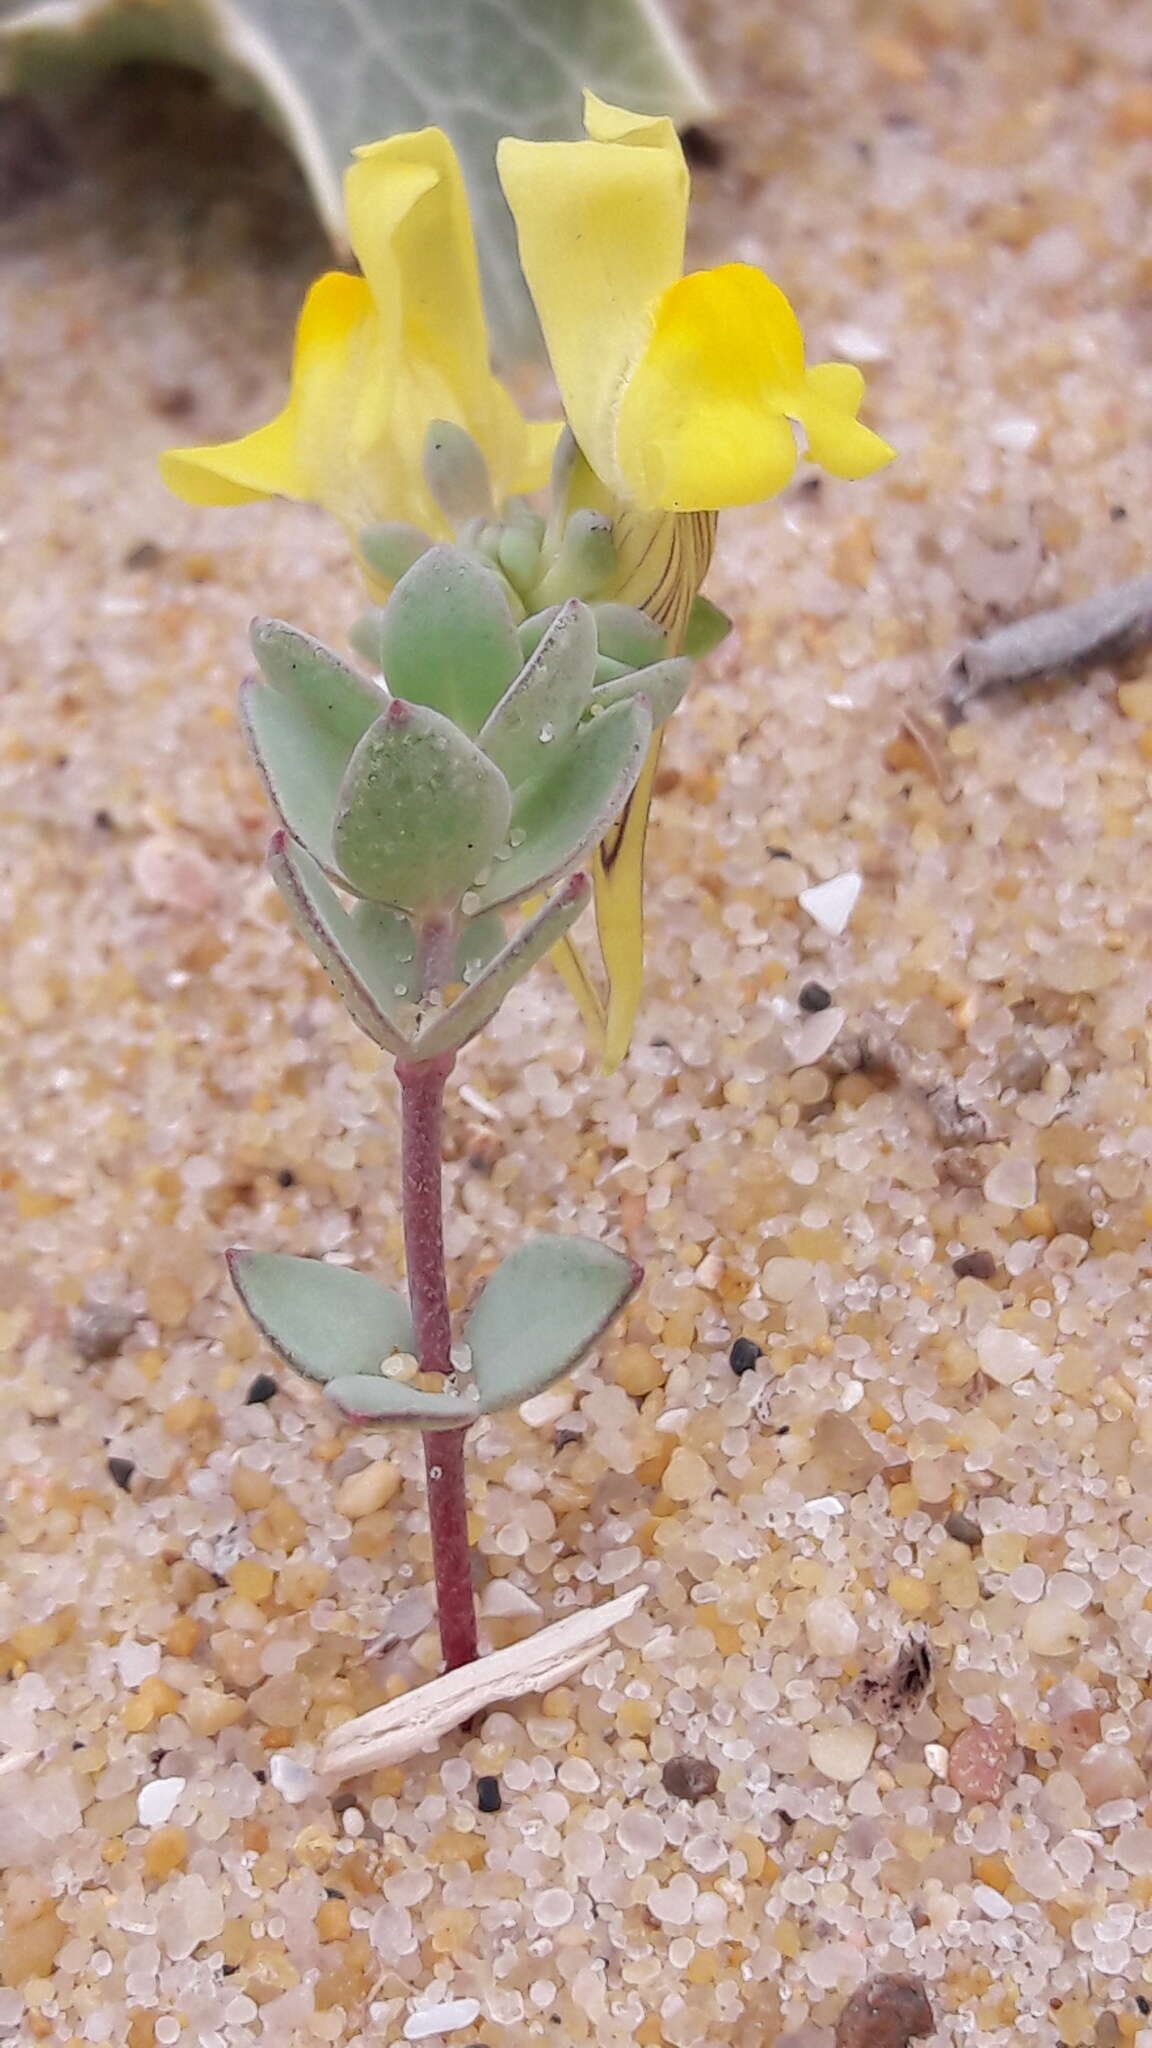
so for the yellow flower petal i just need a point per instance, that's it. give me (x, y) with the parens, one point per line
(601, 229)
(702, 421)
(378, 358)
(336, 322)
(826, 409)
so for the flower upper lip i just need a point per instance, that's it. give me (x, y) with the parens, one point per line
(377, 357)
(680, 390)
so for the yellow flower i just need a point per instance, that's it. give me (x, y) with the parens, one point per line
(378, 358)
(681, 391)
(682, 394)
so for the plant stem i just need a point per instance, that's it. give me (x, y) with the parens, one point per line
(422, 1098)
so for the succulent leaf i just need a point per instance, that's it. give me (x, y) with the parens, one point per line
(453, 1027)
(448, 639)
(545, 704)
(368, 954)
(324, 1321)
(564, 813)
(541, 1311)
(420, 813)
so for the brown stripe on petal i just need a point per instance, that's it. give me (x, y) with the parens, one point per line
(662, 558)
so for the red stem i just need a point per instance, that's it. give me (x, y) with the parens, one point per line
(422, 1098)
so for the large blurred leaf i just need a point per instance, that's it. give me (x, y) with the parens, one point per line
(334, 73)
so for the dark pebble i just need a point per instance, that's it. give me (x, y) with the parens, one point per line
(286, 1178)
(690, 1778)
(488, 1795)
(886, 2012)
(814, 996)
(743, 1355)
(103, 820)
(1142, 2004)
(101, 1331)
(33, 161)
(147, 554)
(962, 1529)
(974, 1266)
(703, 150)
(262, 1389)
(121, 1470)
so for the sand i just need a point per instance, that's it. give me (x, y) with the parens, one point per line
(957, 197)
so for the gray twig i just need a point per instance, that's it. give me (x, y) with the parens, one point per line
(1095, 632)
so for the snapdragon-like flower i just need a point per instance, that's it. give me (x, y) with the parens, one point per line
(377, 358)
(682, 392)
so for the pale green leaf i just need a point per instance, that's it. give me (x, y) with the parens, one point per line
(562, 815)
(447, 639)
(664, 683)
(335, 73)
(301, 764)
(627, 635)
(453, 1027)
(325, 1321)
(541, 1311)
(421, 811)
(707, 627)
(369, 955)
(335, 696)
(365, 1398)
(545, 704)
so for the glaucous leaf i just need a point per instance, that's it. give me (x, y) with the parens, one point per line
(627, 635)
(480, 940)
(388, 550)
(369, 955)
(368, 1399)
(518, 551)
(324, 1321)
(470, 1012)
(300, 762)
(663, 684)
(531, 630)
(335, 696)
(456, 473)
(545, 704)
(447, 637)
(542, 1309)
(421, 811)
(707, 627)
(564, 813)
(583, 563)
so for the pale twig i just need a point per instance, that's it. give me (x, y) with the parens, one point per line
(418, 1719)
(1094, 633)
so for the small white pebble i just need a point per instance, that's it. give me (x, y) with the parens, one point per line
(158, 1800)
(1053, 1629)
(553, 1908)
(842, 1753)
(857, 345)
(831, 1628)
(808, 1041)
(501, 1600)
(441, 2019)
(1015, 433)
(783, 1279)
(292, 1779)
(1012, 1183)
(1005, 1355)
(991, 1902)
(830, 904)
